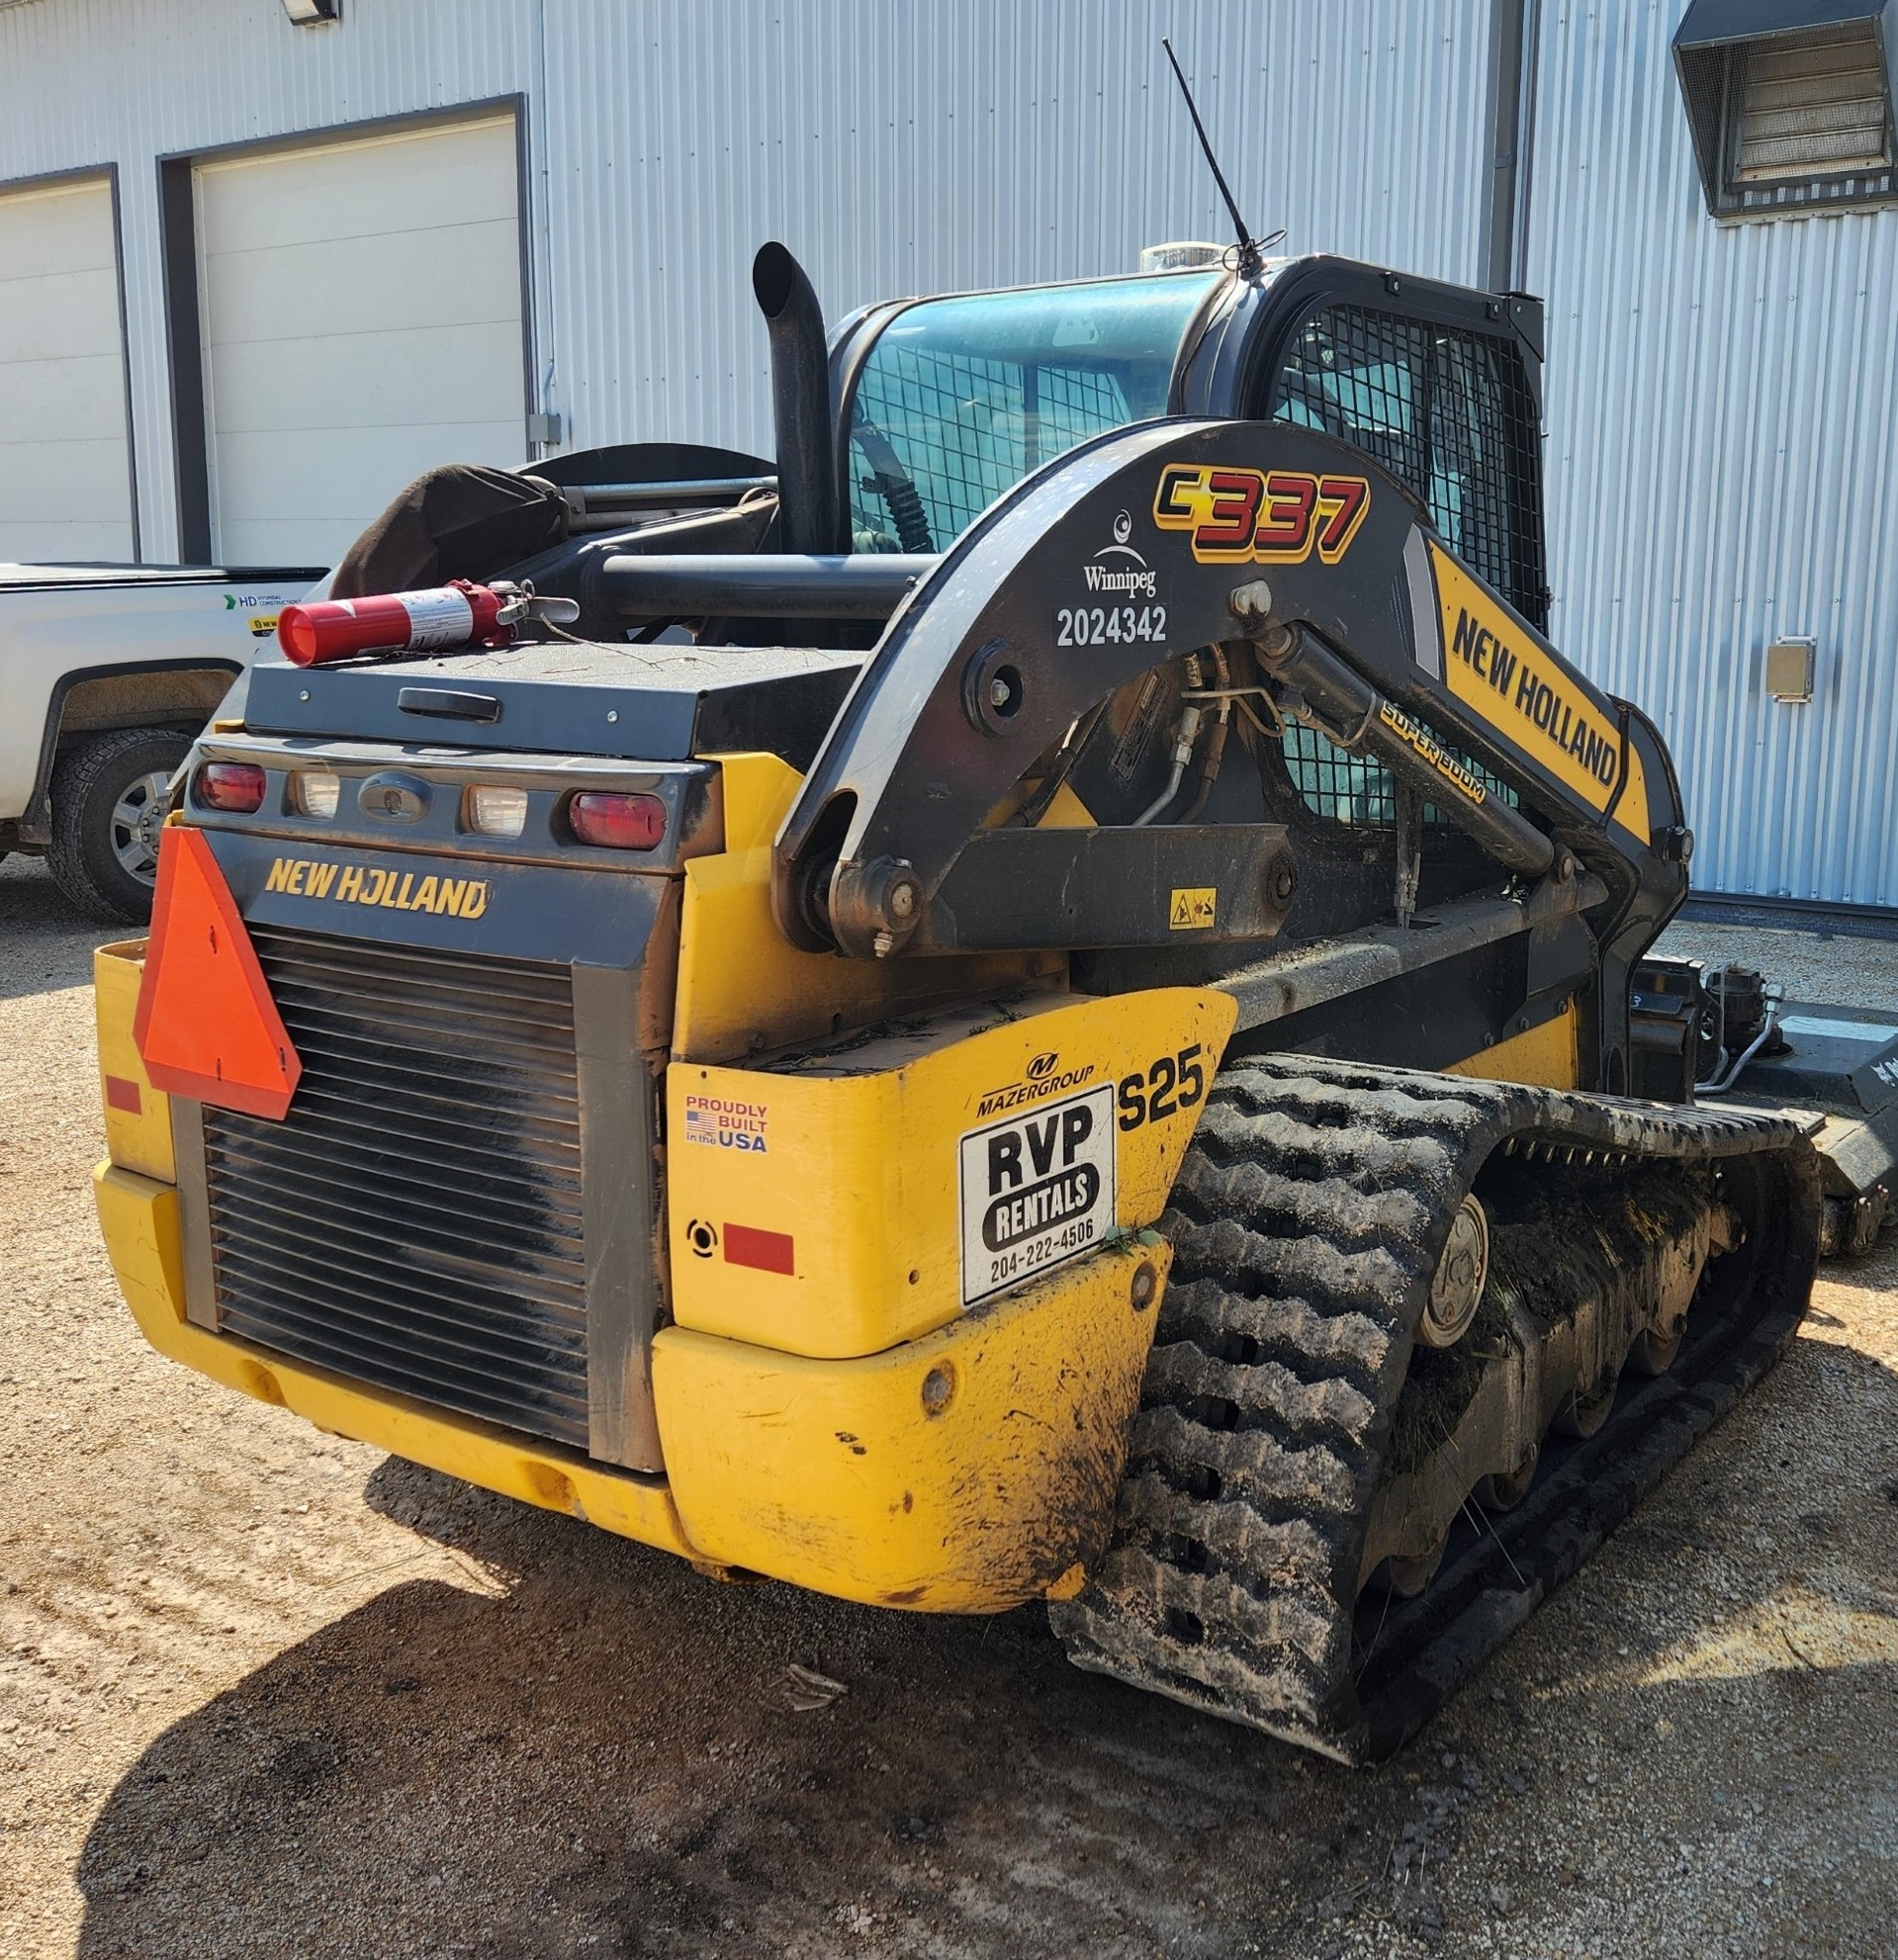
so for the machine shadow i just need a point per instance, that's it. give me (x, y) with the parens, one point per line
(589, 1750)
(599, 1756)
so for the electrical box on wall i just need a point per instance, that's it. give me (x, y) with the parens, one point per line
(1790, 669)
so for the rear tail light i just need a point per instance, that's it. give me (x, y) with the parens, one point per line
(619, 821)
(315, 793)
(496, 810)
(234, 786)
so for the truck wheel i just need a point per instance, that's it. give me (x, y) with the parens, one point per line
(108, 807)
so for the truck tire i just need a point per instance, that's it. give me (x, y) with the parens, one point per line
(108, 805)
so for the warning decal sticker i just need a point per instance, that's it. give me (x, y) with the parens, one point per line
(1192, 908)
(1036, 1190)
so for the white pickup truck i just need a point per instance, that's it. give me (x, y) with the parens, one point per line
(106, 673)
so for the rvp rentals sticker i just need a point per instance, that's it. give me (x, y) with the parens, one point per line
(1036, 1190)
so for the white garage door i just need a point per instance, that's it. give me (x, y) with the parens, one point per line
(65, 475)
(361, 323)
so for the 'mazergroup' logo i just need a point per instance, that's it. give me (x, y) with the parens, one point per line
(1042, 1078)
(375, 884)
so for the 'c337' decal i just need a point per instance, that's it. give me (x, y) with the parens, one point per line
(1260, 516)
(378, 884)
(1492, 665)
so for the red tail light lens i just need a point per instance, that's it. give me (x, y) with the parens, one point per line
(620, 822)
(238, 786)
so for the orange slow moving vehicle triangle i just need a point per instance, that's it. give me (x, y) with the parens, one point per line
(207, 1026)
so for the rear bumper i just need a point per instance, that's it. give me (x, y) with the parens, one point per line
(911, 1289)
(140, 1218)
(965, 1471)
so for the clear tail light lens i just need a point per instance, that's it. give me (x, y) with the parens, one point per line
(315, 793)
(491, 810)
(234, 786)
(617, 820)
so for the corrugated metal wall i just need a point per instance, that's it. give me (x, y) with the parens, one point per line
(1722, 404)
(897, 147)
(1720, 400)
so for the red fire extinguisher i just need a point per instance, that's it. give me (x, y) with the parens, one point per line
(438, 620)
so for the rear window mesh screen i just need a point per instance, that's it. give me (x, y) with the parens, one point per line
(957, 422)
(1073, 403)
(1447, 413)
(956, 399)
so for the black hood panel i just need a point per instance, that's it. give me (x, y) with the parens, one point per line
(656, 704)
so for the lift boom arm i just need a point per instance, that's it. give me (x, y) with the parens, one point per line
(1145, 543)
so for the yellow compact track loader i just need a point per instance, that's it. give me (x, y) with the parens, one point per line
(1031, 1000)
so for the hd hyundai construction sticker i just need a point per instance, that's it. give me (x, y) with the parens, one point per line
(1037, 1189)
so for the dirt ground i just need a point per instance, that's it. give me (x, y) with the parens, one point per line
(267, 1693)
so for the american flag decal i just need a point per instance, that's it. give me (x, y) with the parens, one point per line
(726, 1122)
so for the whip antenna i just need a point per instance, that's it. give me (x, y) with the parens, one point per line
(1250, 256)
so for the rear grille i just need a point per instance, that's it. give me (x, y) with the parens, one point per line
(415, 1221)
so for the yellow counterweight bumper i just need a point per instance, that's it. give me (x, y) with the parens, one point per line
(140, 1218)
(962, 1472)
(966, 1464)
(965, 1471)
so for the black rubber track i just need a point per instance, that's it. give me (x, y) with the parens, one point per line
(1306, 1222)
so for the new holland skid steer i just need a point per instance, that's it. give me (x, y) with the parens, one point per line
(1031, 1000)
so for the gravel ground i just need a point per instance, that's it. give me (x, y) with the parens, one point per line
(267, 1693)
(1845, 969)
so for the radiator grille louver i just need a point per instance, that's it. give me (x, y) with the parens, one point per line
(415, 1221)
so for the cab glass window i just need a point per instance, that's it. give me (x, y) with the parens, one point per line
(960, 398)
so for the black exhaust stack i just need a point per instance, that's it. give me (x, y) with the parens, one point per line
(800, 405)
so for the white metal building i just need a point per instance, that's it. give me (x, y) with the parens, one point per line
(255, 274)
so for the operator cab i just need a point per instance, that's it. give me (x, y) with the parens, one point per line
(947, 403)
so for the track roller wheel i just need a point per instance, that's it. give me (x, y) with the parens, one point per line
(1456, 1289)
(1583, 1417)
(1504, 1492)
(1653, 1353)
(1406, 1577)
